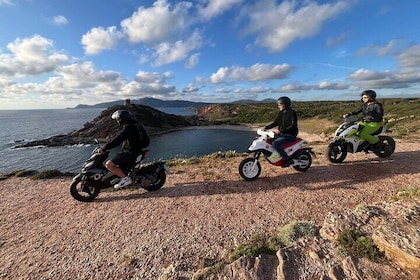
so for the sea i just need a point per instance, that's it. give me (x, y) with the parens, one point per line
(20, 126)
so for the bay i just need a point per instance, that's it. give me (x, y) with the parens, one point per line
(17, 126)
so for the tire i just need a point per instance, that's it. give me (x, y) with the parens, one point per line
(83, 191)
(245, 169)
(160, 181)
(336, 152)
(388, 147)
(304, 160)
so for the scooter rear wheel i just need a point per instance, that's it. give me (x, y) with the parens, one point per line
(304, 161)
(388, 147)
(249, 170)
(156, 185)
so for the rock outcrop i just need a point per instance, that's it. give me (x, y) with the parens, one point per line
(393, 226)
(103, 128)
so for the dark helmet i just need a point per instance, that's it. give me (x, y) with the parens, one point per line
(122, 116)
(370, 93)
(285, 101)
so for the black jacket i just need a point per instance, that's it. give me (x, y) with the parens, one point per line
(372, 112)
(132, 136)
(286, 122)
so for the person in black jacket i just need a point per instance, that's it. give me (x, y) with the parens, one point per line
(373, 114)
(287, 127)
(133, 138)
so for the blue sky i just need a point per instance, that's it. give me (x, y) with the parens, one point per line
(57, 54)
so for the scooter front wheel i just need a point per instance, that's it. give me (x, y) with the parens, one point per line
(83, 191)
(249, 169)
(336, 152)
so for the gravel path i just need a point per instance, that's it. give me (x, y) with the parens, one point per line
(202, 212)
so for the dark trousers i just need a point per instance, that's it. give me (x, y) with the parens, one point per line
(281, 140)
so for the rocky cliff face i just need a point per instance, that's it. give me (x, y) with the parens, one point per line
(103, 128)
(394, 227)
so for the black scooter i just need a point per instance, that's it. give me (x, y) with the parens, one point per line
(94, 176)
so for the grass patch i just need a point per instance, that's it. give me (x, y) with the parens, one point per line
(317, 126)
(5, 176)
(354, 243)
(406, 193)
(47, 174)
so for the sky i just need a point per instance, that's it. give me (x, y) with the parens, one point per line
(58, 54)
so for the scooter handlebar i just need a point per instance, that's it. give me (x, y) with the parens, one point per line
(266, 133)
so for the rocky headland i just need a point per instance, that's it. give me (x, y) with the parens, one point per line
(103, 128)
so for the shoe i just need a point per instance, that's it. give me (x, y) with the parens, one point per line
(123, 183)
(288, 162)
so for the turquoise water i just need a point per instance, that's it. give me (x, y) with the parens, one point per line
(17, 126)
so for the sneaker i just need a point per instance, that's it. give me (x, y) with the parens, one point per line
(123, 183)
(288, 162)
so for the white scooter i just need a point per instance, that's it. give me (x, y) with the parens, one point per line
(250, 168)
(347, 139)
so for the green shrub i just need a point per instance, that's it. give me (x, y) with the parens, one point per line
(295, 230)
(259, 244)
(356, 244)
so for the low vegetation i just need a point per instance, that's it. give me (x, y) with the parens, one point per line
(406, 194)
(271, 243)
(195, 160)
(320, 116)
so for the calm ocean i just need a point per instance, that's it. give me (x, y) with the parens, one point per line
(17, 126)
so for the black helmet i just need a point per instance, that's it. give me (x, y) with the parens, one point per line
(122, 116)
(370, 93)
(285, 101)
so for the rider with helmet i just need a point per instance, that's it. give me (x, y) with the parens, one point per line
(373, 113)
(287, 127)
(133, 138)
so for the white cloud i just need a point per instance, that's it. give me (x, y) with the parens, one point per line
(277, 26)
(157, 23)
(213, 8)
(379, 50)
(152, 89)
(410, 57)
(6, 2)
(99, 39)
(30, 56)
(152, 77)
(386, 79)
(60, 20)
(190, 88)
(192, 61)
(257, 72)
(171, 52)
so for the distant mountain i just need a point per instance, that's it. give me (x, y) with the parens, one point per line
(158, 103)
(151, 102)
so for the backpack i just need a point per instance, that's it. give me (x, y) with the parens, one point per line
(145, 139)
